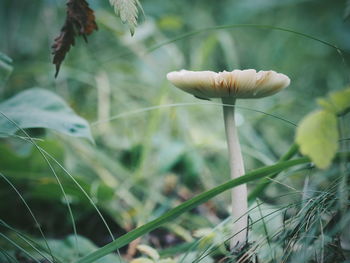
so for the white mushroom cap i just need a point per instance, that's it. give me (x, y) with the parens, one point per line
(236, 84)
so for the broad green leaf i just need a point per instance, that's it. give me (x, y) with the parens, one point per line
(39, 108)
(128, 11)
(317, 137)
(5, 68)
(337, 102)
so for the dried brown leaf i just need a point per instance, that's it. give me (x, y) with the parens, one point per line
(62, 44)
(82, 16)
(80, 19)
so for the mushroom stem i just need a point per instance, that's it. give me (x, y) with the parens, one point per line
(239, 193)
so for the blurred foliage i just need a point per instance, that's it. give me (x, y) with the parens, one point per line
(147, 158)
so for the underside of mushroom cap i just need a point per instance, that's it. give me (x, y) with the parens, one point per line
(236, 84)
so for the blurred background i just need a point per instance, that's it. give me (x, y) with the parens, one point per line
(156, 146)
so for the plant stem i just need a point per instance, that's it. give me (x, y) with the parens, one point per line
(239, 194)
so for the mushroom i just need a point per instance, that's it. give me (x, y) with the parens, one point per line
(229, 86)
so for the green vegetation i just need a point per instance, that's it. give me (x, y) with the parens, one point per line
(108, 162)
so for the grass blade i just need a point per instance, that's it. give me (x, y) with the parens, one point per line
(266, 181)
(19, 248)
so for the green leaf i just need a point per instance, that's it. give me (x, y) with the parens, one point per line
(337, 102)
(317, 137)
(5, 68)
(39, 108)
(128, 11)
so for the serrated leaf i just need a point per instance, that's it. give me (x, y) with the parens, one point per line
(128, 11)
(337, 102)
(149, 251)
(39, 108)
(317, 137)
